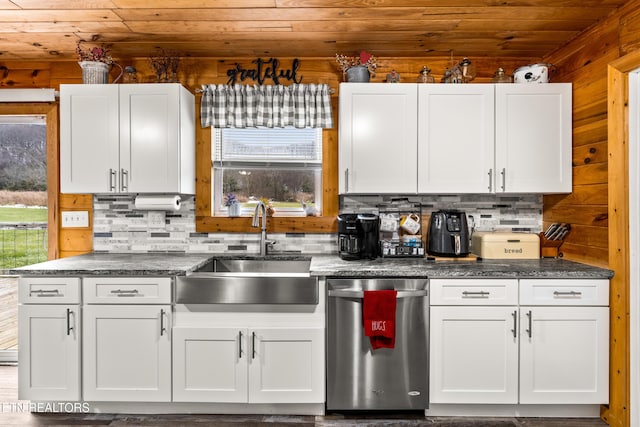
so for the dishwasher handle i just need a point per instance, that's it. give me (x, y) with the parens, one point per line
(354, 293)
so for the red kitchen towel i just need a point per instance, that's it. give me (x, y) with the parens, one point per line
(379, 318)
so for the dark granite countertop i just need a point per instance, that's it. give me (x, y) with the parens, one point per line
(134, 264)
(179, 264)
(420, 267)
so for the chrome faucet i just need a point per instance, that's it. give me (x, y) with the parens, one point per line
(261, 210)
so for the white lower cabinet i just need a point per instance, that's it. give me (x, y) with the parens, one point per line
(248, 365)
(474, 355)
(554, 352)
(49, 339)
(564, 355)
(126, 346)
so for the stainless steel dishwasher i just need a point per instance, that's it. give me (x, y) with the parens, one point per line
(359, 378)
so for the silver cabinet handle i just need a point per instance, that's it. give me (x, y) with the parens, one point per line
(530, 316)
(504, 179)
(348, 293)
(45, 293)
(253, 345)
(560, 294)
(124, 183)
(239, 344)
(125, 292)
(162, 328)
(112, 180)
(490, 180)
(515, 323)
(69, 327)
(475, 294)
(346, 180)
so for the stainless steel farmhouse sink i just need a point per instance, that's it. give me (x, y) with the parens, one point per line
(249, 281)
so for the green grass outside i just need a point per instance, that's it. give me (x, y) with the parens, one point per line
(13, 215)
(22, 246)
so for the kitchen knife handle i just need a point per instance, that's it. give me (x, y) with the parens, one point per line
(69, 327)
(515, 323)
(112, 180)
(239, 344)
(490, 180)
(504, 179)
(530, 323)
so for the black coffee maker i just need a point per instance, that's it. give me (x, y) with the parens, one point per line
(357, 236)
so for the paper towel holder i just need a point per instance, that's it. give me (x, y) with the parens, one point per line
(158, 202)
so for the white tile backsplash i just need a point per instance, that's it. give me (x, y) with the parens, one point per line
(119, 227)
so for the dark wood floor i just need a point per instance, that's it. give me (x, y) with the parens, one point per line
(12, 413)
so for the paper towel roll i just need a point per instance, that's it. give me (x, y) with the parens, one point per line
(158, 203)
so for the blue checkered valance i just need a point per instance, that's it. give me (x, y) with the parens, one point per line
(245, 106)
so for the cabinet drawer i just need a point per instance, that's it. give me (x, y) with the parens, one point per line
(49, 290)
(474, 291)
(564, 292)
(127, 290)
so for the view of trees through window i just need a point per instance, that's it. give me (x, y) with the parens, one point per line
(23, 195)
(282, 167)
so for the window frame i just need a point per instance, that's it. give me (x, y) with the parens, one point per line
(206, 222)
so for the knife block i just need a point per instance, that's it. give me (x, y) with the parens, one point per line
(550, 248)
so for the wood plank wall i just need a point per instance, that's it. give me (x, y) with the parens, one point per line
(197, 71)
(598, 203)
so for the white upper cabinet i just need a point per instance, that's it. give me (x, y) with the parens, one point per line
(445, 138)
(137, 138)
(533, 138)
(378, 138)
(455, 138)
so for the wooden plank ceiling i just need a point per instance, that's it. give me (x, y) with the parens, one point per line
(49, 29)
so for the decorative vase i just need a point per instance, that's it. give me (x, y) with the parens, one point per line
(234, 209)
(358, 74)
(94, 72)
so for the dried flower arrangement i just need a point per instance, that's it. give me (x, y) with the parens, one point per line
(364, 59)
(95, 54)
(165, 65)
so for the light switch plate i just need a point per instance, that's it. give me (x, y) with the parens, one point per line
(156, 219)
(75, 219)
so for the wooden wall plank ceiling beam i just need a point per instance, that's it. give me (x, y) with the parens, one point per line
(311, 28)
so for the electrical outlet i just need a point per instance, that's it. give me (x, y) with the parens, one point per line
(156, 219)
(75, 219)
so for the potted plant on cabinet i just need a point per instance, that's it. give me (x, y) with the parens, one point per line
(357, 68)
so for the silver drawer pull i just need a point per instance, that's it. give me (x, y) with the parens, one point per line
(125, 292)
(567, 294)
(475, 294)
(45, 293)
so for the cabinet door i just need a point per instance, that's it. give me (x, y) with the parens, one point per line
(89, 152)
(127, 353)
(564, 355)
(473, 355)
(455, 138)
(533, 138)
(150, 137)
(378, 138)
(286, 366)
(210, 364)
(49, 352)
